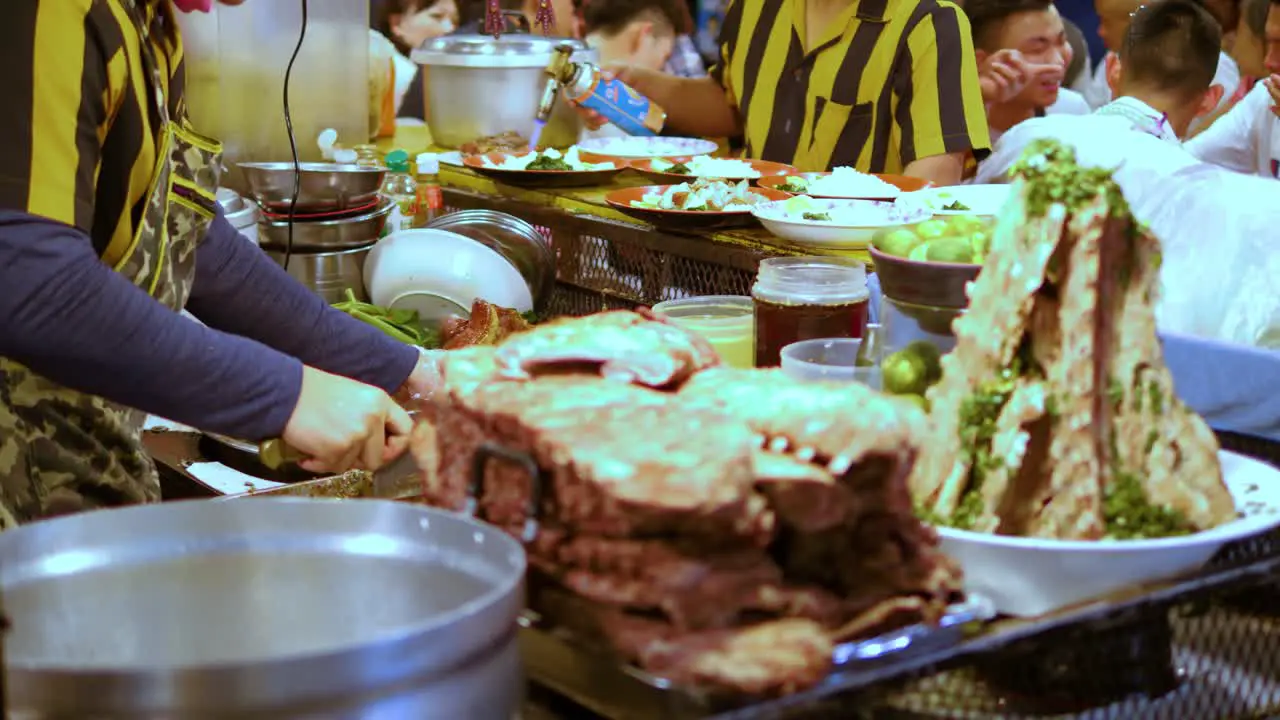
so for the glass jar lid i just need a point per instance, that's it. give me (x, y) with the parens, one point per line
(811, 280)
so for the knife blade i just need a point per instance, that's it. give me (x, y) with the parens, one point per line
(398, 479)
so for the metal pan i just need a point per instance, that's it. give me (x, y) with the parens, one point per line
(282, 608)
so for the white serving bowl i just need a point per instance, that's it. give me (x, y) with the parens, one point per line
(836, 234)
(1032, 576)
(980, 199)
(440, 274)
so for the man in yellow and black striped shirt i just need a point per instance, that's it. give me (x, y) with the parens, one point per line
(885, 86)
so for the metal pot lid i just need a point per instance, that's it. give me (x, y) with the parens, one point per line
(507, 51)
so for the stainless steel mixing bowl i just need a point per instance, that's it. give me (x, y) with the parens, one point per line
(325, 187)
(341, 234)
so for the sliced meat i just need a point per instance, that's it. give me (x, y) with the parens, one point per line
(631, 347)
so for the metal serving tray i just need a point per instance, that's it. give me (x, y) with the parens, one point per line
(590, 678)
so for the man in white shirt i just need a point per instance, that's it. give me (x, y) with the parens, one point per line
(1030, 36)
(1114, 17)
(1247, 138)
(1163, 78)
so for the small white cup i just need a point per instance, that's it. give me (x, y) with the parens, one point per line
(830, 359)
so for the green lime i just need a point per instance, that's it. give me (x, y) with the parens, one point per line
(930, 229)
(917, 400)
(950, 250)
(904, 373)
(919, 253)
(963, 224)
(980, 241)
(898, 242)
(930, 355)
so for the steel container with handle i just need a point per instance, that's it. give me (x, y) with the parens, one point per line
(281, 609)
(478, 86)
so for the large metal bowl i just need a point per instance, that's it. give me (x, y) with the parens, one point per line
(328, 274)
(476, 86)
(325, 187)
(341, 234)
(283, 608)
(514, 239)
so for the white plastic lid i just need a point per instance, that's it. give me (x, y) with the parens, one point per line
(428, 164)
(811, 280)
(345, 156)
(326, 140)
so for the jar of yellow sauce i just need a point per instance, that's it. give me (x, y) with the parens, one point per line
(725, 321)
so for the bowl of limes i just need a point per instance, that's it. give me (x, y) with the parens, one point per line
(930, 263)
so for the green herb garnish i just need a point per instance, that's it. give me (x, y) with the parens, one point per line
(545, 162)
(956, 206)
(817, 216)
(1130, 515)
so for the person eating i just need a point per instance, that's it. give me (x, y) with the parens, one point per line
(1247, 138)
(1028, 38)
(108, 227)
(1114, 17)
(1163, 80)
(884, 86)
(639, 33)
(404, 25)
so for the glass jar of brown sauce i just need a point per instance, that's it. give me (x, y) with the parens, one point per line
(805, 298)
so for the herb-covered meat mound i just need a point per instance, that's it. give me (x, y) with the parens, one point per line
(1056, 416)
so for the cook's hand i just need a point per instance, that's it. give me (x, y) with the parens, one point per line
(1273, 87)
(422, 384)
(341, 424)
(628, 74)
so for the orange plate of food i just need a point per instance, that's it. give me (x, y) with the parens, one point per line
(735, 215)
(542, 178)
(660, 173)
(787, 183)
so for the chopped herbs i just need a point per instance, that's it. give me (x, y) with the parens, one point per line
(1130, 515)
(544, 162)
(1115, 393)
(795, 185)
(956, 206)
(1054, 177)
(1156, 397)
(679, 169)
(817, 216)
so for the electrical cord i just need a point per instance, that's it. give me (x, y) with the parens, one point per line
(293, 141)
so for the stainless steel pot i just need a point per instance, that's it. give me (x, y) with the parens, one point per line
(277, 609)
(516, 240)
(477, 86)
(328, 274)
(340, 234)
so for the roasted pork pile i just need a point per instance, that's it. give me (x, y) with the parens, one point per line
(1056, 416)
(721, 528)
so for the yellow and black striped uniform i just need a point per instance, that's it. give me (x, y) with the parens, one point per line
(893, 82)
(85, 155)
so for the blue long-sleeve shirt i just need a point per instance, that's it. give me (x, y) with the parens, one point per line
(69, 317)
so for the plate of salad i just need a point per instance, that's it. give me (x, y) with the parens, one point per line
(545, 168)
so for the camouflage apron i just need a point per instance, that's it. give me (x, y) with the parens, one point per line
(62, 451)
